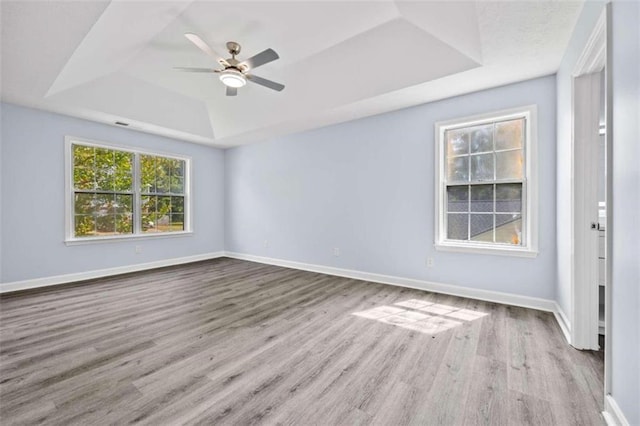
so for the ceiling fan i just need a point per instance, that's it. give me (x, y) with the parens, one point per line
(235, 73)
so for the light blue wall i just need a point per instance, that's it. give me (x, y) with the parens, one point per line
(1, 196)
(625, 288)
(586, 22)
(32, 181)
(367, 187)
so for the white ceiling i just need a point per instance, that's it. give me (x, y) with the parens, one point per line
(112, 60)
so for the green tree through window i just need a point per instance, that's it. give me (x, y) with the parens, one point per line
(107, 202)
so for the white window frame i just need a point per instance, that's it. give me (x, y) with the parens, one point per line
(529, 248)
(71, 239)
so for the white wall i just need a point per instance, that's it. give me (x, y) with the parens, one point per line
(32, 221)
(625, 286)
(367, 187)
(586, 22)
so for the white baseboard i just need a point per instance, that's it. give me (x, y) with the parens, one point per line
(563, 322)
(81, 276)
(612, 413)
(472, 293)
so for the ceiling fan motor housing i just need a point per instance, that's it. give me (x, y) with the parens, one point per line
(233, 48)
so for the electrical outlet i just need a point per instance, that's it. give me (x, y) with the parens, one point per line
(336, 251)
(138, 249)
(430, 262)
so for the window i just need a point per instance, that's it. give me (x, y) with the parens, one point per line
(118, 192)
(485, 183)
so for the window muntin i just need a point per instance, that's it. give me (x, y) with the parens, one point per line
(484, 183)
(119, 192)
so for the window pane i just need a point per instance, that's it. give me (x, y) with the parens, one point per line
(148, 213)
(83, 203)
(481, 227)
(163, 175)
(457, 142)
(83, 156)
(124, 224)
(458, 169)
(105, 179)
(164, 205)
(105, 224)
(457, 226)
(123, 181)
(458, 198)
(509, 134)
(123, 203)
(104, 158)
(177, 185)
(148, 222)
(84, 178)
(123, 161)
(123, 177)
(84, 225)
(482, 138)
(509, 229)
(482, 198)
(177, 222)
(148, 204)
(178, 168)
(147, 173)
(509, 197)
(177, 204)
(481, 167)
(103, 203)
(163, 222)
(510, 165)
(104, 169)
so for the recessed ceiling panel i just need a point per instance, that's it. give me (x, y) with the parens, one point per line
(339, 60)
(124, 96)
(454, 22)
(37, 40)
(122, 31)
(389, 57)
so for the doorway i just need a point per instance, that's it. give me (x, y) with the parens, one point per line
(592, 200)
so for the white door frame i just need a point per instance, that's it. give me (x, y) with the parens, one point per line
(594, 58)
(586, 138)
(585, 126)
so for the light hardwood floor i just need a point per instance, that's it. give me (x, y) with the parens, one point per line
(234, 342)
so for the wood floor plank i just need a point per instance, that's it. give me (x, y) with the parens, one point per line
(528, 410)
(485, 404)
(234, 342)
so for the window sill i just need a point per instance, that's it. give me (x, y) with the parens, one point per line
(121, 238)
(483, 249)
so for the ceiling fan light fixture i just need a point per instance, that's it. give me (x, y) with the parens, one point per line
(233, 78)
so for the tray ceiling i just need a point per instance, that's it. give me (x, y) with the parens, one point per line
(110, 61)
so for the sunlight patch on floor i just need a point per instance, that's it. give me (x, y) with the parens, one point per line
(421, 315)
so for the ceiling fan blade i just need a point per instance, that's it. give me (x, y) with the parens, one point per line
(200, 44)
(232, 91)
(261, 58)
(264, 82)
(191, 69)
